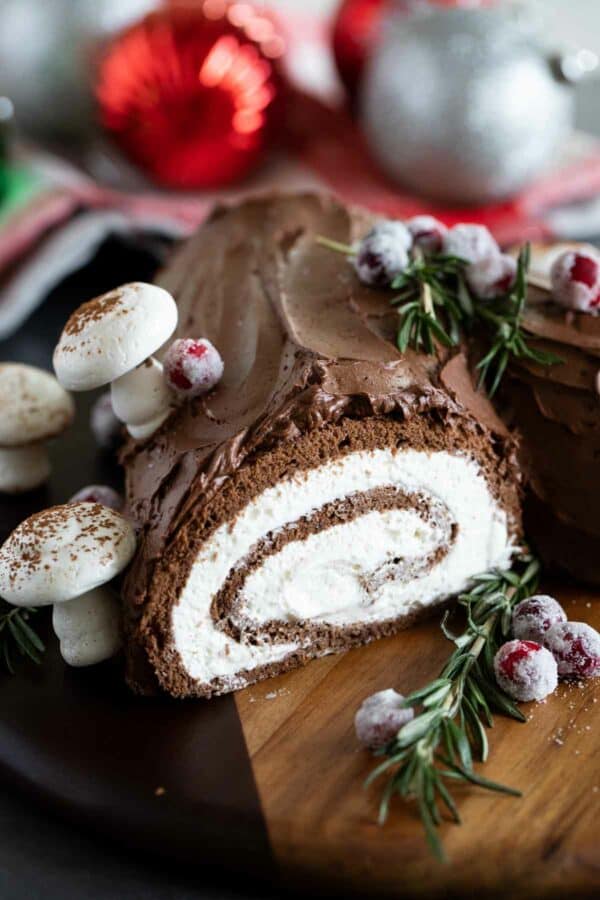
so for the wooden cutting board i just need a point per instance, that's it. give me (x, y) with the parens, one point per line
(320, 819)
(271, 779)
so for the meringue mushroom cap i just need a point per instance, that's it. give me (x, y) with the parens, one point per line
(34, 407)
(112, 334)
(62, 552)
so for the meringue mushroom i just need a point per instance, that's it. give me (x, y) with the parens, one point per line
(110, 340)
(65, 556)
(33, 408)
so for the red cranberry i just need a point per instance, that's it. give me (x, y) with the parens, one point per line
(576, 648)
(525, 670)
(380, 718)
(427, 233)
(192, 367)
(532, 617)
(584, 270)
(493, 277)
(383, 253)
(575, 279)
(99, 493)
(473, 243)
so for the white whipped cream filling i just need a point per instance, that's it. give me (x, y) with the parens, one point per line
(322, 577)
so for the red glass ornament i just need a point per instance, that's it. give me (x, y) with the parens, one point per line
(189, 93)
(357, 25)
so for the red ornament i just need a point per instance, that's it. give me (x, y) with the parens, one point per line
(354, 31)
(189, 93)
(357, 26)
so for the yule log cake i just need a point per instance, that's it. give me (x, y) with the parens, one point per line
(328, 491)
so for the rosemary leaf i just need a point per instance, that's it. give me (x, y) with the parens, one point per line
(17, 635)
(437, 746)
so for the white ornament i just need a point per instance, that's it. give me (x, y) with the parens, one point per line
(462, 105)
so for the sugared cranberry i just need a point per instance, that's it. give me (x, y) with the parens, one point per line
(493, 277)
(473, 243)
(380, 717)
(99, 493)
(383, 253)
(192, 367)
(533, 616)
(576, 648)
(575, 279)
(525, 670)
(105, 426)
(427, 233)
(489, 272)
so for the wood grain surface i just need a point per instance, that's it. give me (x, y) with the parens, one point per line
(322, 823)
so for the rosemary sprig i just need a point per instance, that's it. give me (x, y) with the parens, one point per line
(433, 302)
(16, 634)
(503, 319)
(435, 305)
(440, 744)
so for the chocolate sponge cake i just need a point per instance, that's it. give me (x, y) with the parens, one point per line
(329, 490)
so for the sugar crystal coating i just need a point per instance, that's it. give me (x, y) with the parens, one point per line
(493, 277)
(192, 367)
(427, 232)
(383, 253)
(473, 243)
(575, 279)
(533, 616)
(576, 648)
(525, 670)
(380, 717)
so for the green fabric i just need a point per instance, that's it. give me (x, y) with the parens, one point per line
(17, 186)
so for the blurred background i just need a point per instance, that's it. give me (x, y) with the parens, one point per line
(125, 120)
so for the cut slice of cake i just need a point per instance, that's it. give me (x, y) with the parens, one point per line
(329, 491)
(557, 413)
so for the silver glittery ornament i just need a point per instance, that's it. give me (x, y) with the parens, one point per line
(47, 49)
(463, 105)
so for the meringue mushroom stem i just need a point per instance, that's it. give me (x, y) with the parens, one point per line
(88, 627)
(346, 249)
(141, 398)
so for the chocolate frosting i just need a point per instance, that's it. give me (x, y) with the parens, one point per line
(303, 342)
(557, 411)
